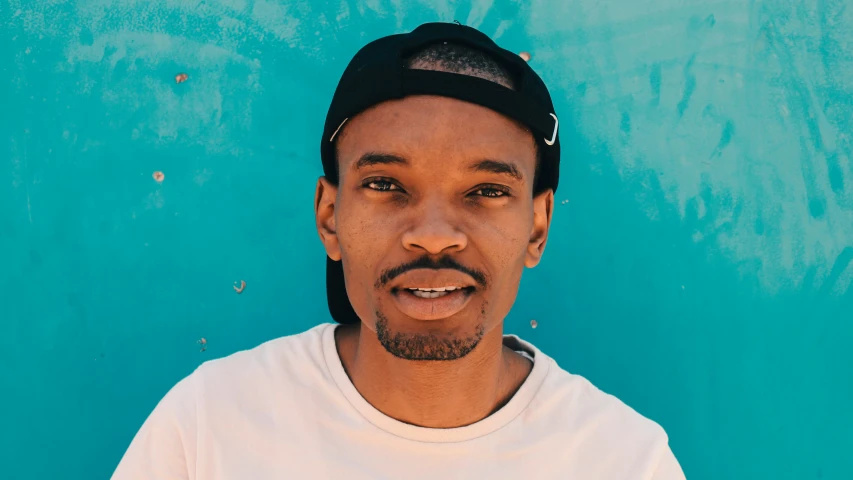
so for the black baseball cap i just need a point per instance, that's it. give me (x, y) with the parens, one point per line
(378, 73)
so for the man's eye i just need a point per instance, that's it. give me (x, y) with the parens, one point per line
(491, 192)
(381, 185)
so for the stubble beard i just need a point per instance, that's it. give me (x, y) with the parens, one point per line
(420, 346)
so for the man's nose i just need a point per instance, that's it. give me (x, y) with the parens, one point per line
(435, 230)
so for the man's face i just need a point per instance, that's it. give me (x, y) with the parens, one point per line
(434, 193)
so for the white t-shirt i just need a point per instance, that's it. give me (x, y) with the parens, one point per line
(287, 410)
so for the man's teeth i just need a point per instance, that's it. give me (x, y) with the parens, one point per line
(432, 292)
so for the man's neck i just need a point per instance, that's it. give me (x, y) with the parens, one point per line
(434, 394)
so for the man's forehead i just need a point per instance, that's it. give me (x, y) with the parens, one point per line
(419, 132)
(437, 122)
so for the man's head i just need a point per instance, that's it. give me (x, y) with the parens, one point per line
(434, 193)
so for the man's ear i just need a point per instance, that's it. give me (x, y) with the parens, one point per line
(324, 214)
(543, 207)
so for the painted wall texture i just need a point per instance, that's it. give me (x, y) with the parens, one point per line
(699, 266)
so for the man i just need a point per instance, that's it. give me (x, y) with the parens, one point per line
(441, 158)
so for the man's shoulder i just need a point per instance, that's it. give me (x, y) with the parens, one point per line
(576, 406)
(293, 356)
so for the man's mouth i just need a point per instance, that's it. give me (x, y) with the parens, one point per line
(432, 303)
(427, 294)
(437, 292)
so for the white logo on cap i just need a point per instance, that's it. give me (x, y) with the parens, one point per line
(553, 137)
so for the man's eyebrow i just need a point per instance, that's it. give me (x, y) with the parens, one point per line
(370, 159)
(491, 166)
(497, 166)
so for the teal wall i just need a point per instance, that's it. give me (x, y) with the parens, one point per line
(700, 269)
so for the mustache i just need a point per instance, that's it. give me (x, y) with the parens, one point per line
(443, 263)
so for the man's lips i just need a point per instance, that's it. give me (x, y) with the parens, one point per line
(443, 306)
(432, 279)
(457, 290)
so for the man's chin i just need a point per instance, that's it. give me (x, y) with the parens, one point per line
(433, 343)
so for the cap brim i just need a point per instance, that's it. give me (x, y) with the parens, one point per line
(336, 293)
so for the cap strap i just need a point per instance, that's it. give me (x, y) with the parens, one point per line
(485, 93)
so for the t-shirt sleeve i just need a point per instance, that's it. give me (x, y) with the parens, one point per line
(164, 447)
(668, 467)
